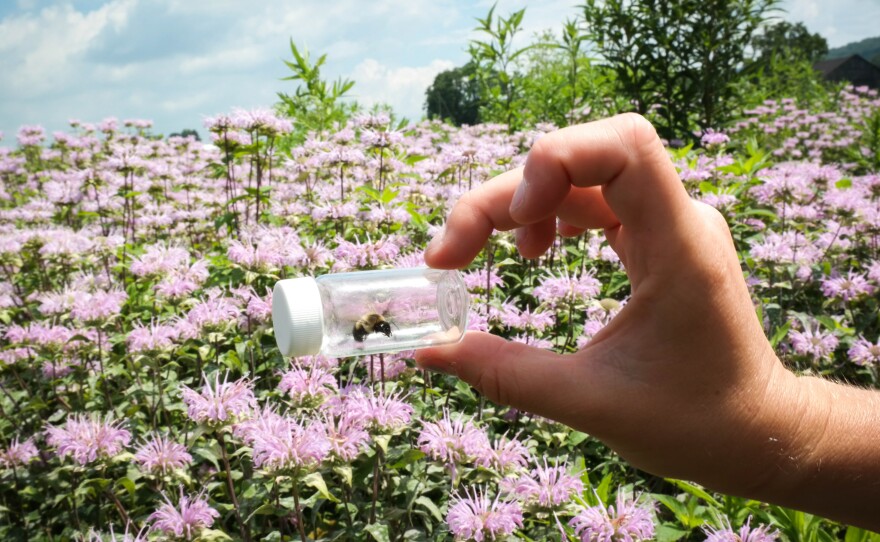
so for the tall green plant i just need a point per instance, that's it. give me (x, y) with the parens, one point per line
(316, 104)
(495, 60)
(572, 39)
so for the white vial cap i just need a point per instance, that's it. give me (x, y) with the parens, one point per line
(298, 316)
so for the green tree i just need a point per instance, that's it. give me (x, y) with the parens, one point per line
(187, 132)
(788, 41)
(455, 95)
(678, 60)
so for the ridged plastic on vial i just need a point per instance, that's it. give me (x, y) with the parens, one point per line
(298, 316)
(424, 307)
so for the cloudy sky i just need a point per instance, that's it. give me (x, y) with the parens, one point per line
(178, 61)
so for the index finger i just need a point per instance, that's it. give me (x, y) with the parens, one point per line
(620, 172)
(623, 155)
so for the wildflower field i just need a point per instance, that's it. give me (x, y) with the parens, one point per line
(142, 396)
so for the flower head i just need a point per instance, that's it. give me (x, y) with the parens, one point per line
(187, 519)
(160, 455)
(221, 403)
(474, 516)
(308, 387)
(281, 443)
(547, 487)
(18, 454)
(88, 439)
(746, 533)
(864, 352)
(453, 441)
(625, 522)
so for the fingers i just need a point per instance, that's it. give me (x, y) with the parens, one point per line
(623, 155)
(472, 220)
(514, 374)
(486, 208)
(599, 175)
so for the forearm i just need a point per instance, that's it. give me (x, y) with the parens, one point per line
(830, 463)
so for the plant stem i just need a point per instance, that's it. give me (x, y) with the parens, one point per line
(376, 473)
(299, 517)
(245, 532)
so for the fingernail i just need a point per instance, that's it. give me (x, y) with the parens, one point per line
(521, 234)
(437, 240)
(520, 196)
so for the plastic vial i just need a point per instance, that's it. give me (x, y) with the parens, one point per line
(369, 312)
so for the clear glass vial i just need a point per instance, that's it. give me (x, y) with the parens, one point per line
(369, 312)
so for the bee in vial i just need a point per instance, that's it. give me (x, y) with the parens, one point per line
(370, 323)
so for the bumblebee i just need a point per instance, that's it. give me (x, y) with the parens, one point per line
(370, 323)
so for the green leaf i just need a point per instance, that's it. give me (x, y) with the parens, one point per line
(266, 509)
(695, 490)
(316, 481)
(780, 333)
(576, 437)
(211, 535)
(382, 442)
(344, 472)
(604, 488)
(128, 484)
(431, 507)
(379, 532)
(409, 456)
(669, 533)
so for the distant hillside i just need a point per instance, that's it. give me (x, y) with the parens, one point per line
(869, 48)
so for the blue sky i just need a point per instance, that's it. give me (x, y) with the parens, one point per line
(178, 61)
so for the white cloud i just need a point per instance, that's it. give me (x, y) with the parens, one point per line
(178, 60)
(44, 52)
(402, 86)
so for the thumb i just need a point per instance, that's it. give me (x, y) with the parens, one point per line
(511, 373)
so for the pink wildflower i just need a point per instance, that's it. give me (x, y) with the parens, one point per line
(746, 533)
(453, 441)
(153, 338)
(283, 444)
(222, 403)
(547, 487)
(88, 439)
(308, 387)
(505, 455)
(852, 286)
(187, 519)
(474, 516)
(18, 454)
(161, 454)
(625, 522)
(346, 436)
(864, 352)
(813, 343)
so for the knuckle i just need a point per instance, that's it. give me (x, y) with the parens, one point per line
(637, 131)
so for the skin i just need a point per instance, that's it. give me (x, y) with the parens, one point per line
(683, 382)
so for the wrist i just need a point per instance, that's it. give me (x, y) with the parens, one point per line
(823, 442)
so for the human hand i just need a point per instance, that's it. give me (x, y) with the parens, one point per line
(682, 382)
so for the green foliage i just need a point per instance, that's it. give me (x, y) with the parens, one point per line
(561, 85)
(790, 42)
(789, 77)
(680, 59)
(494, 59)
(187, 132)
(316, 104)
(455, 95)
